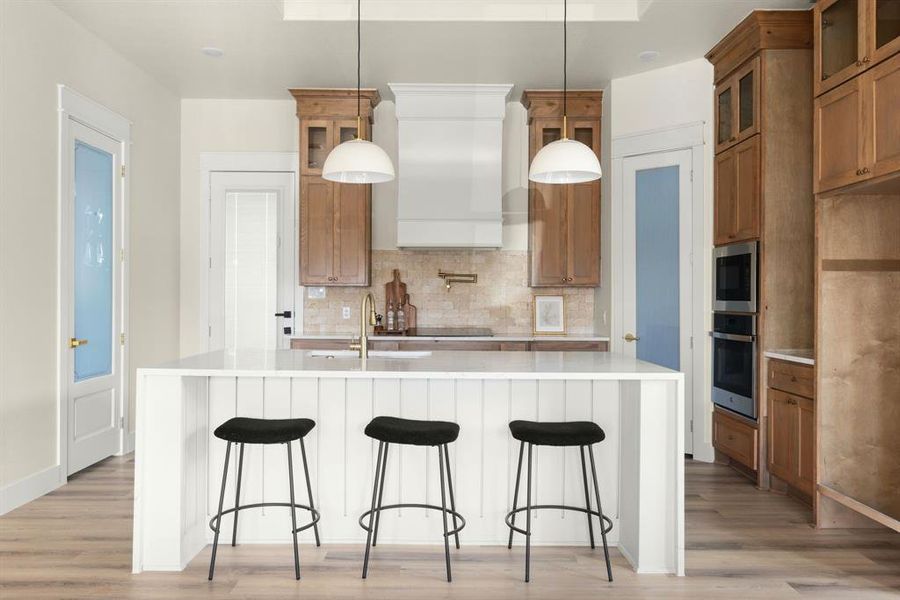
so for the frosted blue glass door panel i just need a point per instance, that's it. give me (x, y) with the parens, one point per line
(93, 261)
(656, 266)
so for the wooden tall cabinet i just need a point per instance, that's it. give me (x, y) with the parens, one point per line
(763, 192)
(335, 218)
(857, 178)
(564, 220)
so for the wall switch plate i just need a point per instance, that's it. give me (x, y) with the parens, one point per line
(315, 293)
(345, 312)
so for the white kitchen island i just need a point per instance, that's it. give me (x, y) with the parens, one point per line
(178, 463)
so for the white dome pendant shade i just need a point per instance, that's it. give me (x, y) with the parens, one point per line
(358, 161)
(565, 161)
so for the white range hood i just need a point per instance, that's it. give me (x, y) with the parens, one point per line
(450, 165)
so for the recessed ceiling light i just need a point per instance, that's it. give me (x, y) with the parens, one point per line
(212, 51)
(648, 56)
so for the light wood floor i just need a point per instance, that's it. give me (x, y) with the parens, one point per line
(741, 543)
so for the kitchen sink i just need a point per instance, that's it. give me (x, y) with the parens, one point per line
(372, 353)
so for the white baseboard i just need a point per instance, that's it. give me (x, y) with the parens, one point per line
(127, 443)
(704, 453)
(29, 488)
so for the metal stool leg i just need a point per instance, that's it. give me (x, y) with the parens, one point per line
(444, 513)
(587, 499)
(372, 513)
(380, 494)
(237, 496)
(212, 561)
(309, 488)
(600, 510)
(528, 521)
(450, 488)
(293, 511)
(516, 493)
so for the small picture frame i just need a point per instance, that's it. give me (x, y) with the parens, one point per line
(549, 314)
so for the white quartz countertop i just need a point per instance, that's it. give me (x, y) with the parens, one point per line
(803, 356)
(480, 338)
(444, 364)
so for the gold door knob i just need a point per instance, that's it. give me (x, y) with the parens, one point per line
(74, 342)
(630, 337)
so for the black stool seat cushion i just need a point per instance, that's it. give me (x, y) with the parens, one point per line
(573, 433)
(245, 430)
(407, 431)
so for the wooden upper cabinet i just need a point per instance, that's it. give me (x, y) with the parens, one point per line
(857, 128)
(882, 89)
(335, 218)
(583, 215)
(883, 34)
(564, 220)
(851, 37)
(352, 234)
(737, 193)
(838, 137)
(737, 106)
(316, 140)
(316, 231)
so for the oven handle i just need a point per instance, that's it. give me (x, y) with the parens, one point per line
(733, 337)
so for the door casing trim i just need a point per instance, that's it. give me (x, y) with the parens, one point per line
(74, 107)
(689, 136)
(225, 162)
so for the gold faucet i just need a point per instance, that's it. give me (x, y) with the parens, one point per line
(366, 313)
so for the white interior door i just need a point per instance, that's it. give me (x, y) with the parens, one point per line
(252, 267)
(656, 269)
(92, 292)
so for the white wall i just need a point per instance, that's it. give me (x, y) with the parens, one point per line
(272, 126)
(665, 98)
(41, 47)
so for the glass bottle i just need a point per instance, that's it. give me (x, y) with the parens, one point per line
(390, 316)
(401, 319)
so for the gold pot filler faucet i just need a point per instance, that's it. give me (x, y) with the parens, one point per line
(366, 313)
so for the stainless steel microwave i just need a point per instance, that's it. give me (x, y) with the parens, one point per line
(735, 277)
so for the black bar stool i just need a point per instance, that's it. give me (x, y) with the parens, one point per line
(576, 433)
(391, 430)
(243, 430)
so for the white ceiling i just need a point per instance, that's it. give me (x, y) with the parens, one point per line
(266, 54)
(466, 10)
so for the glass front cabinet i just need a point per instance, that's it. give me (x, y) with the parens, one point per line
(737, 106)
(852, 36)
(335, 218)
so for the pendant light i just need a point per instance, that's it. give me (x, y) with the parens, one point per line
(565, 160)
(358, 160)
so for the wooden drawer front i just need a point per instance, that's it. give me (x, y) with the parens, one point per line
(435, 345)
(514, 346)
(308, 344)
(735, 438)
(564, 346)
(792, 378)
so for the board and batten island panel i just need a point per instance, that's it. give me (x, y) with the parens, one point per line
(179, 462)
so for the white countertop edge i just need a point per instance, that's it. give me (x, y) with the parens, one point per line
(791, 356)
(480, 338)
(342, 374)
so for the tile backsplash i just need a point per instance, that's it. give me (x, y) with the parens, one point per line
(501, 300)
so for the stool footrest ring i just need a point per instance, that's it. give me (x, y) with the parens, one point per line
(313, 512)
(606, 520)
(428, 506)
